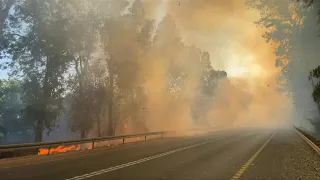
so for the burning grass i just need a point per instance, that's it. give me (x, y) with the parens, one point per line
(59, 149)
(86, 146)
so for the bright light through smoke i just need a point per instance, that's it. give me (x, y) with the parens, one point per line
(236, 46)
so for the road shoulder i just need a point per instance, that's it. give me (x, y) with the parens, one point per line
(288, 157)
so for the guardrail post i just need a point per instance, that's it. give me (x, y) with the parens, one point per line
(123, 141)
(92, 145)
(145, 138)
(49, 148)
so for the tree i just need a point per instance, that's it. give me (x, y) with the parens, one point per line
(173, 54)
(209, 80)
(89, 101)
(83, 38)
(315, 73)
(281, 22)
(38, 51)
(286, 24)
(126, 40)
(10, 108)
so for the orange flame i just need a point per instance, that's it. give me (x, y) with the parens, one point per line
(62, 149)
(59, 149)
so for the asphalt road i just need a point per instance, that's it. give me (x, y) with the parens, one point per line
(234, 154)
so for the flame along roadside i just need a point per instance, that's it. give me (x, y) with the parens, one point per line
(86, 146)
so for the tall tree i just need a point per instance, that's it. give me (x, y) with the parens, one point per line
(87, 80)
(125, 40)
(282, 22)
(38, 51)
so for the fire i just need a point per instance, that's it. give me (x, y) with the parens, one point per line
(59, 149)
(62, 149)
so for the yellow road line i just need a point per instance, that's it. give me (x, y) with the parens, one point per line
(248, 163)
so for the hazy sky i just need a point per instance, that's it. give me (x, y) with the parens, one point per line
(3, 73)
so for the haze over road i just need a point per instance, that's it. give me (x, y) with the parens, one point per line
(233, 154)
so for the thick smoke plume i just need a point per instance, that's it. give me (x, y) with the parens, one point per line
(227, 31)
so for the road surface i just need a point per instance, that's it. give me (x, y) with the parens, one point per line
(226, 155)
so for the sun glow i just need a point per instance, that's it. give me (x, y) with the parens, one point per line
(245, 67)
(236, 71)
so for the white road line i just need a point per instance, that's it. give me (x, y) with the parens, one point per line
(85, 176)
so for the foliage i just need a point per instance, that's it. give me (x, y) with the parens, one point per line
(5, 6)
(315, 73)
(10, 107)
(282, 22)
(38, 53)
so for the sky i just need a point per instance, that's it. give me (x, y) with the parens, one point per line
(3, 73)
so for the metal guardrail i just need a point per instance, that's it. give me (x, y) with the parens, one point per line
(49, 145)
(312, 142)
(25, 147)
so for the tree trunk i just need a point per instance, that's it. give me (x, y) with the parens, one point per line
(38, 131)
(110, 107)
(99, 128)
(41, 109)
(83, 134)
(80, 71)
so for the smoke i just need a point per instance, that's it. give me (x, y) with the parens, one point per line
(250, 95)
(227, 31)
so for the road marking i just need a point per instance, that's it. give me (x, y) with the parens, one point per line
(248, 163)
(96, 173)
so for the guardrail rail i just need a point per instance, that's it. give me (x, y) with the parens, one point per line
(313, 142)
(48, 145)
(15, 150)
